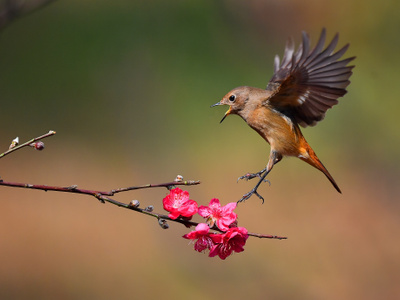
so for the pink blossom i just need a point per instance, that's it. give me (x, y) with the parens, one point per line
(201, 234)
(231, 241)
(223, 216)
(177, 202)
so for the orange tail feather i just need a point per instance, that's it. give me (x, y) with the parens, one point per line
(314, 161)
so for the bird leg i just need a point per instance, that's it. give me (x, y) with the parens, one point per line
(274, 158)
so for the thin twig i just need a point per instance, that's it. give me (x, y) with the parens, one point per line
(267, 236)
(146, 186)
(75, 189)
(50, 133)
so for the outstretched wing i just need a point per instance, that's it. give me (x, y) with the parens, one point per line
(308, 82)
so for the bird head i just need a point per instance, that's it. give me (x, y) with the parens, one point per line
(236, 99)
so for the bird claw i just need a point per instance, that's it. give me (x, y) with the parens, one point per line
(249, 176)
(249, 194)
(262, 174)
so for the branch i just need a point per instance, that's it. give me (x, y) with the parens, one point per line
(225, 239)
(104, 196)
(14, 146)
(74, 188)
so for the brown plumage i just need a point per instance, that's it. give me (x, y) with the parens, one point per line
(304, 86)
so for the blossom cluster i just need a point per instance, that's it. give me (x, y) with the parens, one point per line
(230, 237)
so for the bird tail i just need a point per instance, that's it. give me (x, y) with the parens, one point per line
(314, 161)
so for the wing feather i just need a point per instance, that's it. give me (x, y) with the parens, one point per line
(306, 83)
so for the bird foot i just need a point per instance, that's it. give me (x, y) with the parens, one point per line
(249, 194)
(249, 176)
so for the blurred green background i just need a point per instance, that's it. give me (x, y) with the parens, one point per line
(127, 85)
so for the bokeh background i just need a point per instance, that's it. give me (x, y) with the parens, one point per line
(127, 85)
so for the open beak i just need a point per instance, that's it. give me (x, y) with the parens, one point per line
(223, 118)
(226, 114)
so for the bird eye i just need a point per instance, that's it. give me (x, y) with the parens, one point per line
(232, 98)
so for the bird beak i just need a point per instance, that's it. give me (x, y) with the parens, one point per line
(226, 114)
(216, 104)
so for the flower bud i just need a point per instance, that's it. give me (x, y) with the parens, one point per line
(163, 223)
(134, 203)
(14, 143)
(38, 145)
(179, 178)
(149, 208)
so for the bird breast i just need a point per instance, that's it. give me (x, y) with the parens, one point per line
(277, 129)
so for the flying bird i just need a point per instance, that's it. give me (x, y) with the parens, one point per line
(305, 84)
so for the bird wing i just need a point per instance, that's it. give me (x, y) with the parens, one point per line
(308, 82)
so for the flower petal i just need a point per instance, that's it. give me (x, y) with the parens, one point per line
(188, 209)
(204, 211)
(229, 207)
(202, 228)
(214, 204)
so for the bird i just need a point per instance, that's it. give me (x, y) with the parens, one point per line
(305, 84)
